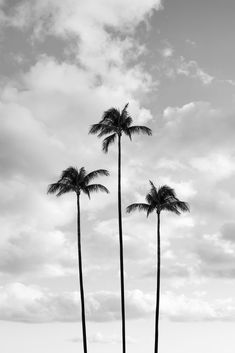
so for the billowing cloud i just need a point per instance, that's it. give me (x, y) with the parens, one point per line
(23, 303)
(55, 103)
(25, 142)
(33, 304)
(92, 26)
(220, 166)
(174, 66)
(191, 69)
(44, 254)
(37, 150)
(45, 113)
(75, 16)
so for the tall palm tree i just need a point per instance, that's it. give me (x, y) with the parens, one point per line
(158, 200)
(115, 123)
(78, 181)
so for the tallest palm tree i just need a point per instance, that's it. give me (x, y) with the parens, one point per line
(115, 123)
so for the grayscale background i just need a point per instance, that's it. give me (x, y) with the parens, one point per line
(62, 63)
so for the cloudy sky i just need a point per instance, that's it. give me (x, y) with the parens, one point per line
(62, 63)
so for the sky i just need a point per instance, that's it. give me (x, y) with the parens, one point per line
(62, 64)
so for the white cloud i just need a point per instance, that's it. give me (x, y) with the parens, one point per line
(216, 166)
(181, 308)
(179, 66)
(91, 25)
(38, 253)
(55, 102)
(33, 304)
(23, 303)
(63, 18)
(178, 114)
(45, 140)
(191, 69)
(35, 151)
(26, 143)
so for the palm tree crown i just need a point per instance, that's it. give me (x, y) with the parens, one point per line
(160, 199)
(115, 123)
(78, 181)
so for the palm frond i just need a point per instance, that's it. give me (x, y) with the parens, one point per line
(124, 113)
(111, 117)
(108, 130)
(95, 188)
(60, 188)
(53, 188)
(65, 189)
(182, 206)
(154, 191)
(175, 205)
(128, 121)
(102, 129)
(151, 209)
(126, 131)
(95, 128)
(124, 110)
(81, 176)
(108, 141)
(166, 192)
(70, 173)
(150, 199)
(94, 174)
(140, 130)
(170, 207)
(137, 207)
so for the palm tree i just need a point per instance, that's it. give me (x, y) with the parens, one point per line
(158, 200)
(115, 123)
(78, 181)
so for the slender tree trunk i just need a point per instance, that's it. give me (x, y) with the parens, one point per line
(158, 284)
(81, 277)
(121, 249)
